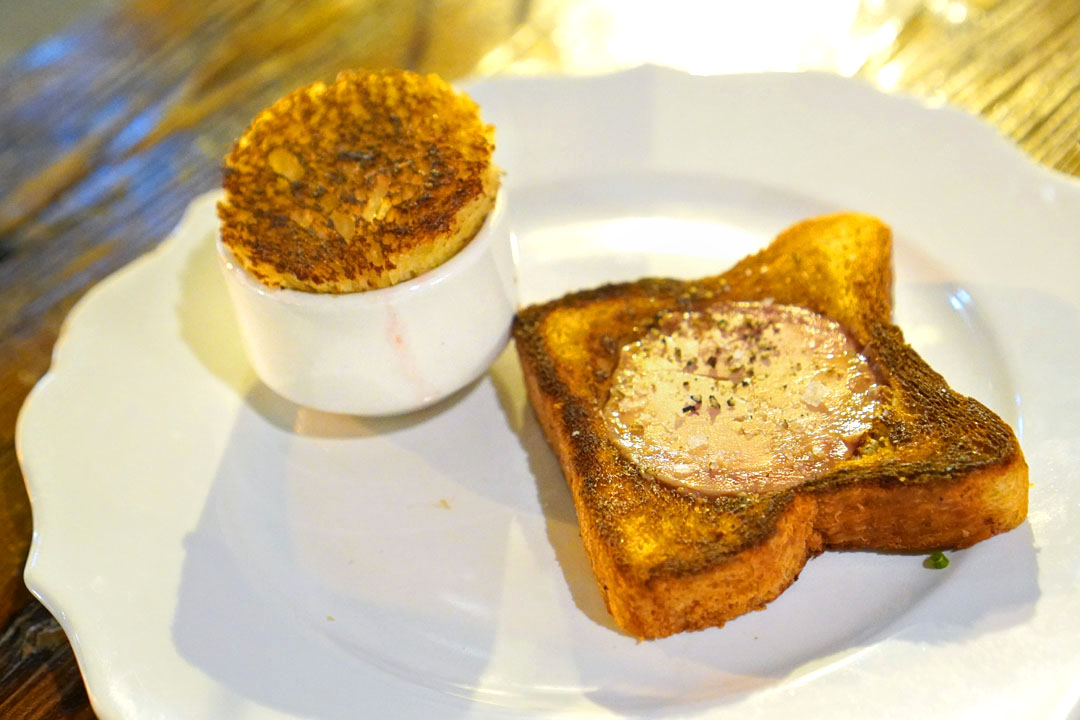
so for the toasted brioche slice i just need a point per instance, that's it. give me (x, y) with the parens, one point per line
(939, 470)
(360, 184)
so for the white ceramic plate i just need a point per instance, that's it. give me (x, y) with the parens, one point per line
(215, 552)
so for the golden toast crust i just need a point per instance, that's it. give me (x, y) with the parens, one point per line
(359, 184)
(941, 471)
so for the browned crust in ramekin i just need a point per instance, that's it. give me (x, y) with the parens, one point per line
(359, 184)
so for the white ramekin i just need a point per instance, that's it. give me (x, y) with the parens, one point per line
(386, 351)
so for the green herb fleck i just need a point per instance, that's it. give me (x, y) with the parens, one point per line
(936, 561)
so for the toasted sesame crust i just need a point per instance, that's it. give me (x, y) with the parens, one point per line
(941, 470)
(360, 184)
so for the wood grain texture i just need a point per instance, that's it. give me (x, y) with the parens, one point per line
(110, 127)
(1017, 64)
(38, 674)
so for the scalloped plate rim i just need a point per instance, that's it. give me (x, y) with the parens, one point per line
(37, 573)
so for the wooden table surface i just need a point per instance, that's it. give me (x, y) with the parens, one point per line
(109, 127)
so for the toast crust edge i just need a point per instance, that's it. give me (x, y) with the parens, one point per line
(914, 517)
(914, 508)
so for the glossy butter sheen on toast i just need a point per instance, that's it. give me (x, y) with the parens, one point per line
(926, 469)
